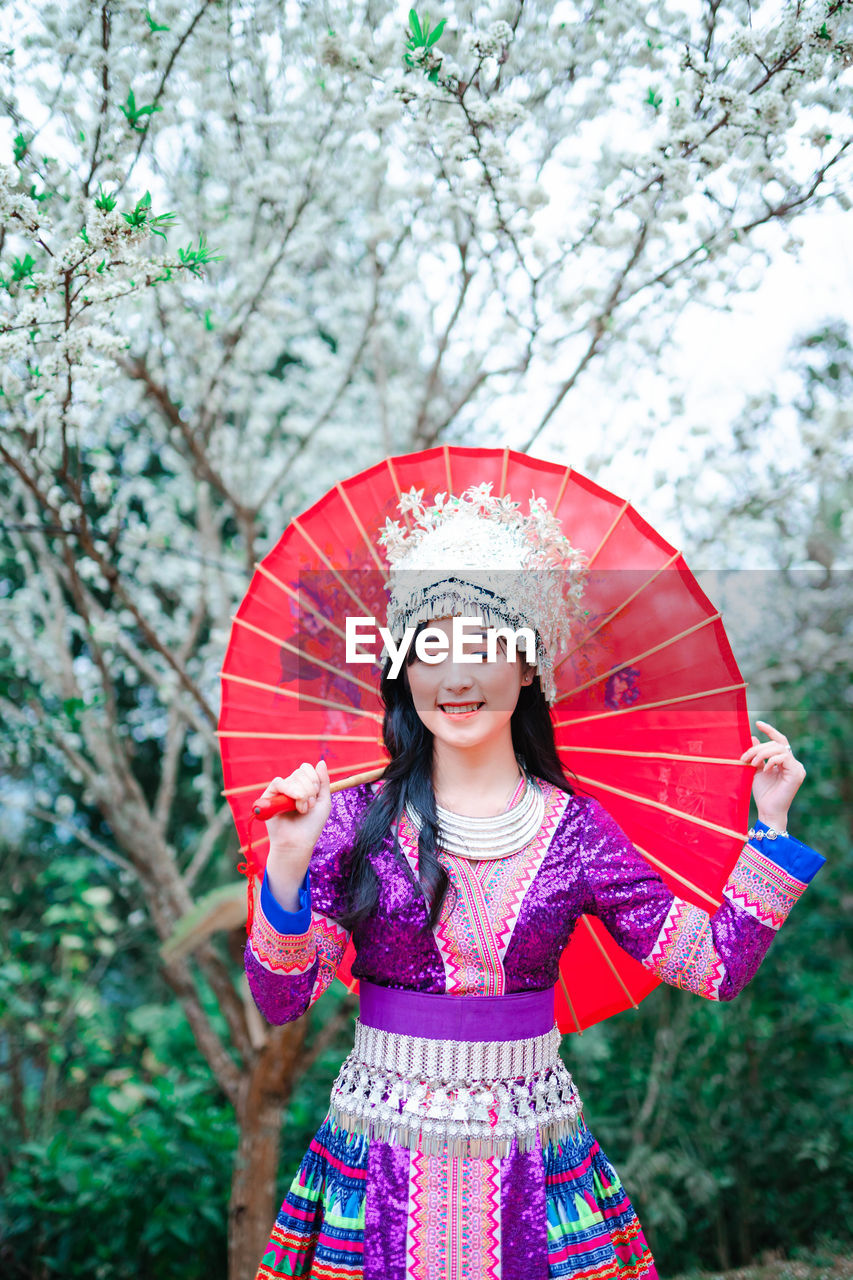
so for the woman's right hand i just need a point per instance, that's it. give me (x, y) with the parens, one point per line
(294, 834)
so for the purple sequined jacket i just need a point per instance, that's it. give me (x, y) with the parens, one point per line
(509, 920)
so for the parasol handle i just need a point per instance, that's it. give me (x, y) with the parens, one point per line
(286, 804)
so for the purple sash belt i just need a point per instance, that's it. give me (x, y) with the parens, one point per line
(520, 1016)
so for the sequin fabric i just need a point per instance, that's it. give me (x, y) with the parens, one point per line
(365, 1209)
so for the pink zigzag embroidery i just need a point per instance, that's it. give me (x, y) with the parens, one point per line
(762, 889)
(332, 942)
(684, 954)
(472, 938)
(491, 1199)
(760, 911)
(555, 807)
(416, 1233)
(283, 953)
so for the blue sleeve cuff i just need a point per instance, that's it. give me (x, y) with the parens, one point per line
(282, 921)
(799, 860)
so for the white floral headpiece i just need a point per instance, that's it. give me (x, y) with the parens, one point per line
(476, 549)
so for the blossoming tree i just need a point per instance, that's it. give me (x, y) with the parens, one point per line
(407, 224)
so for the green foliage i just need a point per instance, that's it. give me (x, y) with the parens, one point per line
(195, 259)
(23, 268)
(141, 216)
(104, 201)
(114, 1162)
(153, 25)
(137, 117)
(420, 42)
(20, 146)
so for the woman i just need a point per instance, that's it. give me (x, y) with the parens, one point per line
(455, 1146)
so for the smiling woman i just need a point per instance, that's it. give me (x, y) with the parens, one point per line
(455, 1145)
(467, 706)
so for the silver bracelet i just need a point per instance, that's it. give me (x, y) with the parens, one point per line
(769, 834)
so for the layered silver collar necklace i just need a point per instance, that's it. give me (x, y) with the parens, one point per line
(495, 836)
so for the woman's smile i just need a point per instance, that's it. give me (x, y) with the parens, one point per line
(457, 709)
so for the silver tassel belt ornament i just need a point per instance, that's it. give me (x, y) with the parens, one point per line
(474, 1096)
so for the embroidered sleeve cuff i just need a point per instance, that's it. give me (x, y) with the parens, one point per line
(287, 921)
(762, 887)
(279, 949)
(798, 859)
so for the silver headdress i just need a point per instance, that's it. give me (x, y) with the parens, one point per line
(480, 551)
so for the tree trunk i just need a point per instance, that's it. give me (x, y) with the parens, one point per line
(264, 1092)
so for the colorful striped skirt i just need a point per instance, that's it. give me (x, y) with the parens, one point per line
(362, 1208)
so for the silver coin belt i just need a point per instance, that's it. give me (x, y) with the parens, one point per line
(473, 1098)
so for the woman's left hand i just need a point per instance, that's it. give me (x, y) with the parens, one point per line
(778, 776)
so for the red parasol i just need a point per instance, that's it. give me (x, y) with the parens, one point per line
(651, 715)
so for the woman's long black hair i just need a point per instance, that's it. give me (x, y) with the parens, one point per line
(408, 777)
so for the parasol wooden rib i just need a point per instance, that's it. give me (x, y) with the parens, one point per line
(569, 1003)
(662, 866)
(648, 706)
(611, 966)
(619, 514)
(353, 595)
(300, 653)
(304, 697)
(302, 604)
(664, 808)
(620, 666)
(561, 491)
(273, 736)
(357, 522)
(504, 469)
(587, 636)
(657, 755)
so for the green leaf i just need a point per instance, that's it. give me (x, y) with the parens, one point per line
(22, 268)
(103, 201)
(436, 34)
(194, 259)
(153, 25)
(20, 147)
(133, 114)
(140, 216)
(414, 23)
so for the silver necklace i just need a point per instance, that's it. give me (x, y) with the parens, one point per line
(495, 836)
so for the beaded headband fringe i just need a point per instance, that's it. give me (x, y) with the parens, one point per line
(479, 552)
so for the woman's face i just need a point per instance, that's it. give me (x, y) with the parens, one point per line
(467, 703)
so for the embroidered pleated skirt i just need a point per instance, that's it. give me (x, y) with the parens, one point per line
(460, 1153)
